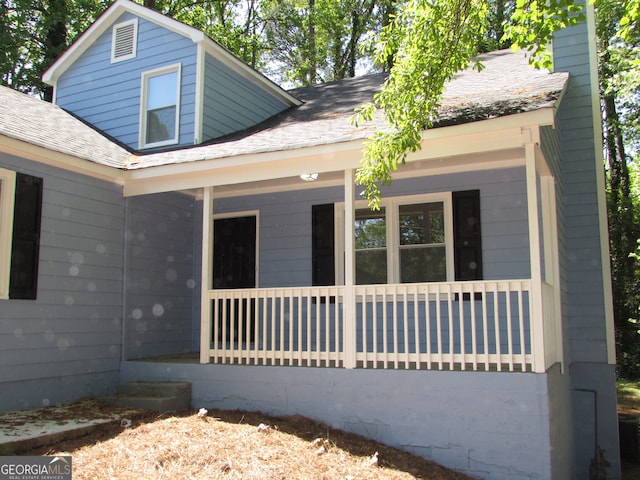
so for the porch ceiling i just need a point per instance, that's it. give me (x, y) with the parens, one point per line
(424, 167)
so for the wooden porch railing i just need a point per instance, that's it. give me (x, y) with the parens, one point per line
(484, 325)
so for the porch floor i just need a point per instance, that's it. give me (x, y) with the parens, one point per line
(194, 358)
(188, 357)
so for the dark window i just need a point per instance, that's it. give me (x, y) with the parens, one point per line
(234, 266)
(23, 283)
(323, 245)
(467, 238)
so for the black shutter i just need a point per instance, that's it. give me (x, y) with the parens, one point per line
(467, 238)
(25, 247)
(323, 245)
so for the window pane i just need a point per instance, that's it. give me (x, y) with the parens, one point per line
(161, 125)
(371, 267)
(426, 264)
(161, 90)
(422, 224)
(370, 229)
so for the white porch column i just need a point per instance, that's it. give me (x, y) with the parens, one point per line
(549, 211)
(207, 275)
(535, 307)
(349, 306)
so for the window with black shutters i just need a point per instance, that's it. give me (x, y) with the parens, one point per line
(411, 239)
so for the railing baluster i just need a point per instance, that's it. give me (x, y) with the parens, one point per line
(215, 312)
(463, 361)
(385, 334)
(273, 350)
(416, 325)
(337, 327)
(374, 328)
(427, 309)
(510, 330)
(496, 322)
(439, 326)
(326, 323)
(523, 349)
(451, 331)
(308, 349)
(474, 336)
(485, 328)
(317, 326)
(395, 325)
(405, 312)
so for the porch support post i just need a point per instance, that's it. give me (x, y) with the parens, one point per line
(349, 307)
(207, 275)
(551, 260)
(535, 307)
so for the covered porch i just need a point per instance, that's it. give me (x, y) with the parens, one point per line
(508, 324)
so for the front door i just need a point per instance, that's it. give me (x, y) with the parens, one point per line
(234, 266)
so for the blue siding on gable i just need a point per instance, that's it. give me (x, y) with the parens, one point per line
(231, 102)
(161, 280)
(66, 344)
(108, 95)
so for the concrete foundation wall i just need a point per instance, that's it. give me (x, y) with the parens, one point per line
(488, 425)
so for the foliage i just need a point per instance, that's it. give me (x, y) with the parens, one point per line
(34, 33)
(619, 57)
(315, 41)
(428, 42)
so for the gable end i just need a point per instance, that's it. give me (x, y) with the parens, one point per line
(124, 40)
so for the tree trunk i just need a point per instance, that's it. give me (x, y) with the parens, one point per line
(313, 60)
(55, 40)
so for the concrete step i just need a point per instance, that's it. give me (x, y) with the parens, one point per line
(160, 396)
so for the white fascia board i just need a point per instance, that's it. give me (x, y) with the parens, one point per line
(103, 23)
(60, 160)
(217, 51)
(506, 134)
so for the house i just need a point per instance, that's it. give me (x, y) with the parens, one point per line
(177, 216)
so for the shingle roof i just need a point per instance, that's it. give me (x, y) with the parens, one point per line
(45, 125)
(507, 85)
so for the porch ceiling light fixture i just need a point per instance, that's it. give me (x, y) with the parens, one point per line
(309, 177)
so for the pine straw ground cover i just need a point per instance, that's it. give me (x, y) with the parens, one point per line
(237, 445)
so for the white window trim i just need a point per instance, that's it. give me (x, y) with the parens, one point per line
(114, 29)
(392, 206)
(247, 213)
(177, 67)
(7, 199)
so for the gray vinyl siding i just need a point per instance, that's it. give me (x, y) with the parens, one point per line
(162, 284)
(592, 378)
(108, 95)
(231, 102)
(67, 343)
(285, 223)
(582, 264)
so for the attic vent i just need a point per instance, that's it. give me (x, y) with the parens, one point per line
(123, 45)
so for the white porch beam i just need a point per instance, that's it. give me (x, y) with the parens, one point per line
(202, 167)
(349, 270)
(207, 276)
